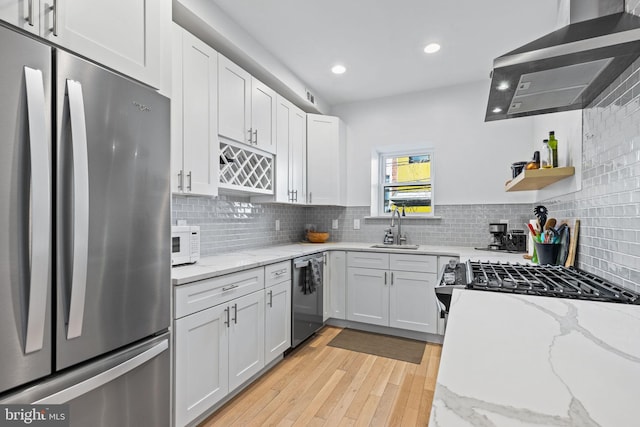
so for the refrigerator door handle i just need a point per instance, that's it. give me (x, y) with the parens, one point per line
(103, 378)
(80, 208)
(40, 209)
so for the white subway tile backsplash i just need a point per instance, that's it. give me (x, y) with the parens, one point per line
(609, 202)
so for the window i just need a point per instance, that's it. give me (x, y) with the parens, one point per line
(406, 182)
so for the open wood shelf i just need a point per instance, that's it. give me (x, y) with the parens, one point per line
(536, 179)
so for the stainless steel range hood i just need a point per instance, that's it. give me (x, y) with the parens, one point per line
(568, 68)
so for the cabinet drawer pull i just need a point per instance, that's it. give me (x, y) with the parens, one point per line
(279, 272)
(228, 288)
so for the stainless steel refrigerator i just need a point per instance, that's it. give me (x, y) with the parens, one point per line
(84, 238)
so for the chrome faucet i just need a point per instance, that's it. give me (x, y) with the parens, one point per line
(399, 238)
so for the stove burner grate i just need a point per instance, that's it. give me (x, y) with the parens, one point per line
(553, 281)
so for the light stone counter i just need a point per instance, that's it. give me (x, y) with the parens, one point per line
(231, 262)
(512, 360)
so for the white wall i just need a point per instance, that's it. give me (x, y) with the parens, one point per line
(472, 158)
(568, 130)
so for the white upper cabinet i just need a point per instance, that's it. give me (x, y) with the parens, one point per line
(194, 132)
(326, 160)
(263, 116)
(234, 101)
(298, 155)
(124, 35)
(23, 14)
(291, 146)
(247, 107)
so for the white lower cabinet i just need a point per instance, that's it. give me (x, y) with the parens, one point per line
(219, 339)
(335, 286)
(411, 296)
(201, 362)
(277, 320)
(368, 296)
(383, 290)
(246, 338)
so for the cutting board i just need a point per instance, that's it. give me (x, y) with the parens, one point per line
(573, 245)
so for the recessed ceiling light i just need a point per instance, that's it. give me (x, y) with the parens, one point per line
(497, 110)
(432, 48)
(338, 69)
(503, 86)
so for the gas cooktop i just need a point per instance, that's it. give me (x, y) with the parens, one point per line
(551, 281)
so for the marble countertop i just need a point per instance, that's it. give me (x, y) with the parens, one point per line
(516, 360)
(208, 267)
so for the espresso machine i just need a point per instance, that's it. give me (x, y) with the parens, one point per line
(498, 232)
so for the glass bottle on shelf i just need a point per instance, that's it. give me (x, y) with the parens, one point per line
(553, 145)
(546, 158)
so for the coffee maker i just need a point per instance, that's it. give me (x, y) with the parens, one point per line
(498, 232)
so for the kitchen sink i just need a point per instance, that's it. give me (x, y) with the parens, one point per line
(396, 246)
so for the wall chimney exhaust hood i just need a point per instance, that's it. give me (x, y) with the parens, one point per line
(568, 68)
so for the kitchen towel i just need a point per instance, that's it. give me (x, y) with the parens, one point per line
(313, 277)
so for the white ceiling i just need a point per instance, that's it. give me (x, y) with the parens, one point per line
(381, 41)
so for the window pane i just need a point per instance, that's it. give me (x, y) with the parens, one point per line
(414, 198)
(405, 169)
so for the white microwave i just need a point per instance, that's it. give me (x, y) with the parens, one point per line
(185, 244)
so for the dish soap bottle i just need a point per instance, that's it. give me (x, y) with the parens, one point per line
(553, 146)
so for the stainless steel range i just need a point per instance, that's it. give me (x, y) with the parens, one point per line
(548, 280)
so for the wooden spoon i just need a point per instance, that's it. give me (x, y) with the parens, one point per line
(551, 223)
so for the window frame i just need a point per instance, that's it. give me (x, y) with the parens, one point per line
(381, 184)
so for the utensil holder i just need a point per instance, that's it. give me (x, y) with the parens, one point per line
(547, 253)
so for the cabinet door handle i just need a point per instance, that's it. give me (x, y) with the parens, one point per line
(271, 299)
(310, 198)
(181, 180)
(30, 13)
(392, 278)
(226, 322)
(296, 197)
(189, 186)
(235, 313)
(54, 8)
(250, 135)
(385, 278)
(255, 136)
(228, 288)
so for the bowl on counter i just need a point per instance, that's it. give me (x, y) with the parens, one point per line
(317, 236)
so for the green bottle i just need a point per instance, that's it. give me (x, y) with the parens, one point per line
(553, 145)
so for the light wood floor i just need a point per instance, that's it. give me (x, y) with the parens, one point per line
(317, 385)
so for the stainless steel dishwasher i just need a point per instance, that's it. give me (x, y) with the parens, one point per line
(307, 292)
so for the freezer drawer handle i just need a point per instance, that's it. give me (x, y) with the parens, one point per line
(40, 209)
(80, 208)
(103, 378)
